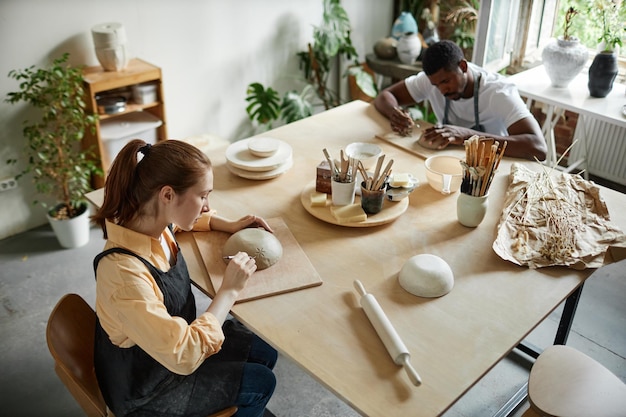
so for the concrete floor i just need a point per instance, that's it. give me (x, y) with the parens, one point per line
(35, 272)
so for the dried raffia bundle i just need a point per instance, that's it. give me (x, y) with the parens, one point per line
(553, 218)
(482, 158)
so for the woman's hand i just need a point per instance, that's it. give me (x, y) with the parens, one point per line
(253, 221)
(239, 269)
(232, 226)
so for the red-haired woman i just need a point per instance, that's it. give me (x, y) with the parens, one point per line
(154, 356)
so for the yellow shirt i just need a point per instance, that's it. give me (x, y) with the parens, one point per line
(130, 304)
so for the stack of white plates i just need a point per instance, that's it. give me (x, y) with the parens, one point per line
(259, 158)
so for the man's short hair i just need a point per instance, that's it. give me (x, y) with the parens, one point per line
(441, 55)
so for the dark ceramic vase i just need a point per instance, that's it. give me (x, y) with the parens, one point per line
(602, 73)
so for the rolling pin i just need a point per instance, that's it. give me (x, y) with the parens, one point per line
(396, 348)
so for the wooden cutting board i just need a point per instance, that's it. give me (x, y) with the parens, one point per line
(292, 272)
(410, 143)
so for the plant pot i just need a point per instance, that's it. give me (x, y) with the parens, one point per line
(563, 60)
(74, 232)
(602, 73)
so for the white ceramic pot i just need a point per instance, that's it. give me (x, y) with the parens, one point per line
(107, 35)
(110, 40)
(113, 59)
(71, 233)
(563, 60)
(342, 193)
(409, 48)
(471, 210)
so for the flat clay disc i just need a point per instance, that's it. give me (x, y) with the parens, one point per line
(258, 243)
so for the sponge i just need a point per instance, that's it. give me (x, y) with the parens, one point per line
(352, 213)
(318, 199)
(400, 180)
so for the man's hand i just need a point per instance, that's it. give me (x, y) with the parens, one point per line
(440, 136)
(401, 121)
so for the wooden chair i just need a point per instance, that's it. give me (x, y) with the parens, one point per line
(70, 336)
(564, 382)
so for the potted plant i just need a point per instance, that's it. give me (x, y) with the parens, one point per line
(59, 167)
(564, 57)
(331, 40)
(603, 69)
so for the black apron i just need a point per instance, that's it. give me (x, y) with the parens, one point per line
(477, 126)
(133, 383)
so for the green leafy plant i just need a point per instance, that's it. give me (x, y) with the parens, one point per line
(463, 15)
(331, 40)
(54, 158)
(265, 105)
(608, 15)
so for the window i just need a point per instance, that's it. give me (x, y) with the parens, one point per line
(495, 40)
(516, 31)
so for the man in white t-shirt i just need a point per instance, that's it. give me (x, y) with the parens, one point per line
(467, 100)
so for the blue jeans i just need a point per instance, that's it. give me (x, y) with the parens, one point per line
(258, 380)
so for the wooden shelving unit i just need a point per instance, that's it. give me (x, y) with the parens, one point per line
(98, 81)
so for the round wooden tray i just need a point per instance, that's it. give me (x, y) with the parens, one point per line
(391, 210)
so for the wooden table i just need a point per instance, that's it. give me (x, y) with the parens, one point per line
(453, 340)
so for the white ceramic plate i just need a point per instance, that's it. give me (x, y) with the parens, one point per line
(239, 156)
(261, 175)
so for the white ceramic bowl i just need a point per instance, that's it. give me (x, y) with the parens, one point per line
(367, 153)
(444, 173)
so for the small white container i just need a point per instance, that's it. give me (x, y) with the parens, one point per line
(367, 153)
(144, 93)
(118, 131)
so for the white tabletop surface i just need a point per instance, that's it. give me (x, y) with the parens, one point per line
(535, 84)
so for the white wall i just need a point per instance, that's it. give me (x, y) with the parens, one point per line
(209, 51)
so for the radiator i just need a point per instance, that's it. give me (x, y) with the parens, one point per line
(606, 149)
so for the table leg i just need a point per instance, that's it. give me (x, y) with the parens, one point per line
(562, 333)
(581, 147)
(553, 114)
(567, 317)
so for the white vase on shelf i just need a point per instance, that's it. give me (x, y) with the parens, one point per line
(563, 60)
(111, 45)
(409, 48)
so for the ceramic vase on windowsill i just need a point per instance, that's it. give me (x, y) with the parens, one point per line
(602, 73)
(563, 60)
